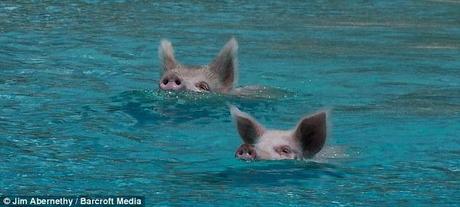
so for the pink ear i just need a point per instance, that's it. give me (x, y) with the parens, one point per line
(225, 65)
(166, 55)
(248, 128)
(311, 133)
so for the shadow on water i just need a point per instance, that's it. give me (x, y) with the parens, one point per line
(270, 173)
(422, 102)
(162, 107)
(428, 102)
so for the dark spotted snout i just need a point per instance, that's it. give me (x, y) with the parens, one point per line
(246, 152)
(171, 82)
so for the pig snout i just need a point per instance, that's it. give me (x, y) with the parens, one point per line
(246, 152)
(171, 83)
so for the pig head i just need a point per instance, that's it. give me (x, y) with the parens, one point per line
(218, 76)
(302, 142)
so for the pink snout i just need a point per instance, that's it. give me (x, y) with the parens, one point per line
(246, 152)
(171, 83)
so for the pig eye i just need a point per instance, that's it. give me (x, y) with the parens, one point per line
(202, 86)
(284, 150)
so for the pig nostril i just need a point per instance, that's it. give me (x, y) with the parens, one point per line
(177, 82)
(249, 152)
(165, 81)
(240, 152)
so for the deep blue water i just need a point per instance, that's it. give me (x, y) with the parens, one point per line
(81, 114)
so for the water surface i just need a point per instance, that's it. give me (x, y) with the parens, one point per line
(81, 114)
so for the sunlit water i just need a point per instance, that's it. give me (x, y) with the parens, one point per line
(81, 114)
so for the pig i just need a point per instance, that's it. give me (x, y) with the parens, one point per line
(218, 76)
(302, 142)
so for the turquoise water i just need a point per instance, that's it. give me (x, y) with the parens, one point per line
(81, 114)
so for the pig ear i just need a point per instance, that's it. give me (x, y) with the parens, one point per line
(225, 65)
(166, 55)
(248, 128)
(311, 133)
